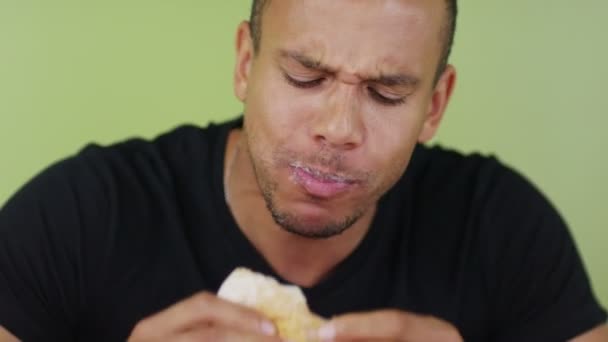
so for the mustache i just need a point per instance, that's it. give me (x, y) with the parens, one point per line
(326, 162)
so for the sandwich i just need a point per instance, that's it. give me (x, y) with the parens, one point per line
(284, 305)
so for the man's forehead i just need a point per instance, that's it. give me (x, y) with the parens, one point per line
(399, 9)
(366, 14)
(382, 43)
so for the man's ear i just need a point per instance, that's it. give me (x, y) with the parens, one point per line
(244, 59)
(439, 101)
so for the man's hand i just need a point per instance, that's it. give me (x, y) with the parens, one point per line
(205, 317)
(6, 336)
(388, 325)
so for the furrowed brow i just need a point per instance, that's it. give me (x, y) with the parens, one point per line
(306, 61)
(389, 80)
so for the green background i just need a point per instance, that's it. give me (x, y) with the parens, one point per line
(531, 90)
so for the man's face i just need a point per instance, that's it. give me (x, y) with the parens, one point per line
(336, 99)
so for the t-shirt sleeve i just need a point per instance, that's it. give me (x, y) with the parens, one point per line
(40, 267)
(537, 281)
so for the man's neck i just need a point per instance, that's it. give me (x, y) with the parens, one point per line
(302, 261)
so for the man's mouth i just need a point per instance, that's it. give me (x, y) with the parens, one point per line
(318, 183)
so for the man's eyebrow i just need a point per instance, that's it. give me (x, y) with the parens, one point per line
(306, 61)
(396, 80)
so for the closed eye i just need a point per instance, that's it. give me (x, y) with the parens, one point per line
(303, 84)
(384, 100)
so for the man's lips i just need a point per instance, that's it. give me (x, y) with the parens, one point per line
(321, 184)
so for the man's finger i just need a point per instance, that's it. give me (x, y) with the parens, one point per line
(206, 308)
(377, 325)
(388, 325)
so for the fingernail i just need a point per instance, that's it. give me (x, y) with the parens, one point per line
(327, 332)
(268, 328)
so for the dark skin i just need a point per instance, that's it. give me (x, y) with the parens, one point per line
(316, 89)
(347, 89)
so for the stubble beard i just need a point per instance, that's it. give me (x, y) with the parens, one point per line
(289, 221)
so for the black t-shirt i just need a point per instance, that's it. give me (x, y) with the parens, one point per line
(103, 239)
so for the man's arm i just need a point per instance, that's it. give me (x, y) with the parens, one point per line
(6, 336)
(39, 236)
(599, 334)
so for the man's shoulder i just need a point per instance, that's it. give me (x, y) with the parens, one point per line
(178, 147)
(183, 139)
(444, 168)
(483, 194)
(473, 187)
(99, 176)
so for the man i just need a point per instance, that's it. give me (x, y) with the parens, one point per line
(322, 184)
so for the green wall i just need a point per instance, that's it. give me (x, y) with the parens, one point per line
(530, 89)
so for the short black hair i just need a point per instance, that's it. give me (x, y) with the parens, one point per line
(448, 31)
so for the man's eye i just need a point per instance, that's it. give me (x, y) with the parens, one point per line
(383, 99)
(303, 84)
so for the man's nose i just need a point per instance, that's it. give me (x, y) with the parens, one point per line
(340, 124)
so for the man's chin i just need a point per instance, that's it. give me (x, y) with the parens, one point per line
(310, 232)
(308, 217)
(313, 226)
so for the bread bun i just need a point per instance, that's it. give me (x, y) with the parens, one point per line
(285, 305)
